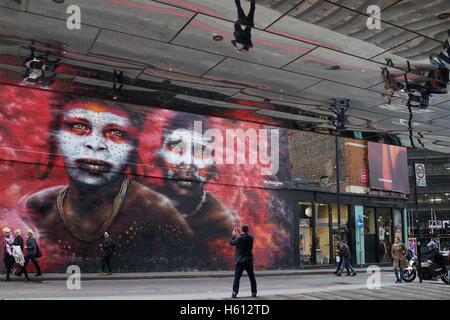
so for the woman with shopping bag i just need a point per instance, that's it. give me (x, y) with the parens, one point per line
(17, 253)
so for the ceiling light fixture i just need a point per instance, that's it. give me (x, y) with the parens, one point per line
(58, 1)
(217, 37)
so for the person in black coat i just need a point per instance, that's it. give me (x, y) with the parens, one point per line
(243, 256)
(18, 241)
(340, 252)
(31, 246)
(107, 248)
(244, 37)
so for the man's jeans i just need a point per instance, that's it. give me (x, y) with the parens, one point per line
(346, 263)
(240, 267)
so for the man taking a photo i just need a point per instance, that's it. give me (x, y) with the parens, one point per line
(243, 256)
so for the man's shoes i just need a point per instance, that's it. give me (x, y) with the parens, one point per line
(338, 274)
(254, 294)
(100, 273)
(353, 274)
(233, 295)
(7, 279)
(38, 274)
(348, 274)
(27, 279)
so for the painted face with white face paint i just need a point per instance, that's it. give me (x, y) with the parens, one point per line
(182, 155)
(95, 142)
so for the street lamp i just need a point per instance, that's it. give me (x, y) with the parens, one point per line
(339, 110)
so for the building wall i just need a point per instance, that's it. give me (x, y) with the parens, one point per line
(168, 193)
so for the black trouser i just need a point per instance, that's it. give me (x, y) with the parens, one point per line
(33, 259)
(9, 262)
(339, 266)
(241, 14)
(106, 260)
(240, 267)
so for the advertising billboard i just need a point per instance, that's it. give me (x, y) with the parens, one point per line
(388, 167)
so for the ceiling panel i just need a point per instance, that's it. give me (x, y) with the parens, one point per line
(154, 53)
(327, 90)
(268, 49)
(260, 77)
(50, 31)
(139, 17)
(267, 11)
(352, 70)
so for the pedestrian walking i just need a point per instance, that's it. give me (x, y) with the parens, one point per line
(107, 248)
(399, 253)
(341, 258)
(33, 252)
(346, 254)
(18, 254)
(8, 259)
(243, 256)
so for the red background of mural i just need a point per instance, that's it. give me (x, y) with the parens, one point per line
(24, 122)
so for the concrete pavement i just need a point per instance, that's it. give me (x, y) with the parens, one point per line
(190, 274)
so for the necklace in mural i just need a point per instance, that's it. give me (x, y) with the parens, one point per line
(92, 236)
(202, 201)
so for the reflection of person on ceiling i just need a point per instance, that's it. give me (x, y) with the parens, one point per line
(442, 60)
(36, 67)
(390, 84)
(244, 37)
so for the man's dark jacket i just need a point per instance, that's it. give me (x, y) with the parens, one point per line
(344, 252)
(108, 247)
(244, 247)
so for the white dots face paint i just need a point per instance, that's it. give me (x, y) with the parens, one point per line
(184, 148)
(95, 145)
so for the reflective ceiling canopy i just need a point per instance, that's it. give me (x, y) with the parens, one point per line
(178, 54)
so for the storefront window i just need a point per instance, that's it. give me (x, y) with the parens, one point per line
(344, 215)
(369, 220)
(398, 224)
(323, 234)
(384, 233)
(305, 223)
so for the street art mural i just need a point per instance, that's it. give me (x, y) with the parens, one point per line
(168, 186)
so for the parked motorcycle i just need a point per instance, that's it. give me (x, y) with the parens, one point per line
(427, 271)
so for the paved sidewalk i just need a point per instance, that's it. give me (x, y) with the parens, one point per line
(190, 274)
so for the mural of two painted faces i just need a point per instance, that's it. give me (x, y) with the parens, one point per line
(141, 176)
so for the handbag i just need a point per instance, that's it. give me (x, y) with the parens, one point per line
(38, 251)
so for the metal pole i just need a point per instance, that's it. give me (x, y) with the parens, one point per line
(338, 193)
(419, 264)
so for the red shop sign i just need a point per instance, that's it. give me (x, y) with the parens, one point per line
(363, 175)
